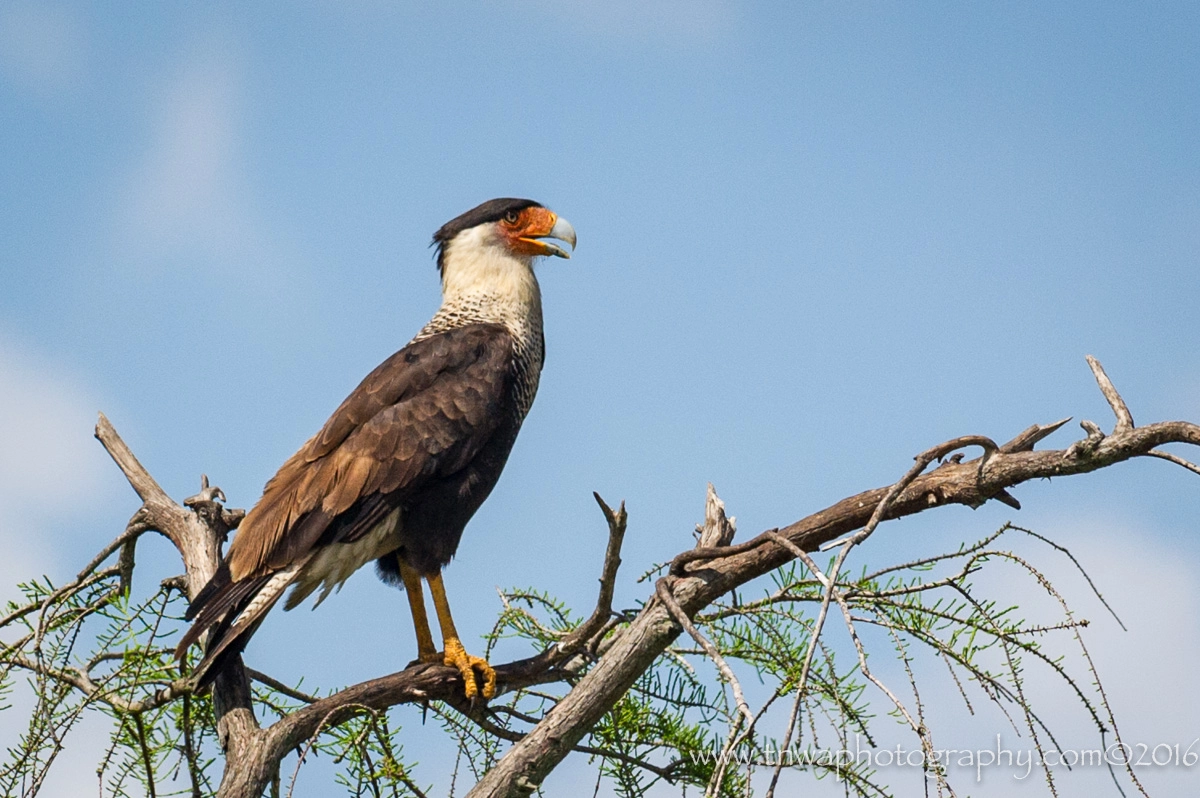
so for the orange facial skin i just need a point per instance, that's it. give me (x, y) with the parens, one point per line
(529, 225)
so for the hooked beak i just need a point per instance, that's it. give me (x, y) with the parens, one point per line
(554, 227)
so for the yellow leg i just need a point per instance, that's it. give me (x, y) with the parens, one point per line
(455, 655)
(416, 602)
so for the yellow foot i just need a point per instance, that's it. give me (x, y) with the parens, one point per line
(457, 657)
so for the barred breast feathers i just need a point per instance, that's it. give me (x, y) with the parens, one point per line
(482, 283)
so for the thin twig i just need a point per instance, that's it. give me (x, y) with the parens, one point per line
(147, 762)
(664, 595)
(830, 581)
(583, 635)
(312, 740)
(969, 483)
(1179, 461)
(1078, 566)
(280, 687)
(664, 772)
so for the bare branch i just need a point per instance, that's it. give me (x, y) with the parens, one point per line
(197, 534)
(970, 483)
(664, 595)
(1179, 461)
(717, 530)
(582, 635)
(253, 754)
(491, 727)
(830, 580)
(139, 478)
(80, 583)
(136, 526)
(312, 740)
(280, 687)
(1120, 410)
(82, 681)
(710, 553)
(147, 762)
(197, 540)
(1032, 436)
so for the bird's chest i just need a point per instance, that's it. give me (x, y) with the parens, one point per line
(529, 353)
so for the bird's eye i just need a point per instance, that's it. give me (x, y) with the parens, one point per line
(511, 217)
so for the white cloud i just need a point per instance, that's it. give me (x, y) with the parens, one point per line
(185, 179)
(51, 471)
(41, 48)
(50, 467)
(186, 197)
(1147, 671)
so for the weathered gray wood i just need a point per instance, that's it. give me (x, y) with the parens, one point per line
(971, 483)
(697, 578)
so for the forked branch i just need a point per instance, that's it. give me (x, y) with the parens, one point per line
(697, 578)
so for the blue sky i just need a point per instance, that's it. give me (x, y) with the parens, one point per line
(814, 240)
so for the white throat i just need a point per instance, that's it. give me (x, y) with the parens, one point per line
(484, 281)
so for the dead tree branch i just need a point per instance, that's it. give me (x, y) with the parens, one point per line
(197, 533)
(700, 576)
(1179, 461)
(1119, 408)
(697, 578)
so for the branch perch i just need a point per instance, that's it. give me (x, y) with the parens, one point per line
(970, 483)
(696, 578)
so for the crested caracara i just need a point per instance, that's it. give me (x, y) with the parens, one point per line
(409, 456)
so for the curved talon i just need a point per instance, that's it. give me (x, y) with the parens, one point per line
(457, 657)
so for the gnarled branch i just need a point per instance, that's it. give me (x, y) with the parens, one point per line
(971, 483)
(697, 577)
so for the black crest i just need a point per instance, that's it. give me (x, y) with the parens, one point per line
(491, 211)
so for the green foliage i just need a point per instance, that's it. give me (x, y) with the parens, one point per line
(89, 646)
(679, 722)
(368, 749)
(44, 648)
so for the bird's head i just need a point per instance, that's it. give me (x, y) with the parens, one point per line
(499, 232)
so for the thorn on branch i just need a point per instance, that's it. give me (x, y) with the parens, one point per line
(1004, 497)
(1030, 437)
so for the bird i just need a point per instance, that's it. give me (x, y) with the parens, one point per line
(404, 462)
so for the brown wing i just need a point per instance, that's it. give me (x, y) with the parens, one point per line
(424, 412)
